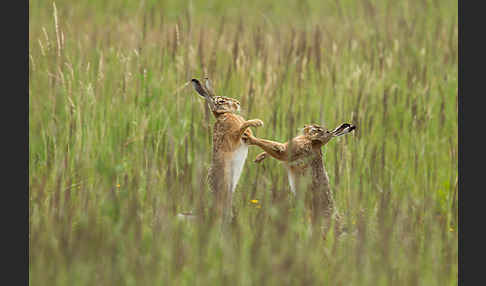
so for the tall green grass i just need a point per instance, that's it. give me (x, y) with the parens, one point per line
(118, 146)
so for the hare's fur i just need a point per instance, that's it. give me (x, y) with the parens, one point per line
(302, 156)
(229, 149)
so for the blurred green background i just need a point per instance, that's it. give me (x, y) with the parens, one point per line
(118, 145)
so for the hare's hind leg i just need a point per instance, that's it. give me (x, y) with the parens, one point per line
(220, 185)
(227, 209)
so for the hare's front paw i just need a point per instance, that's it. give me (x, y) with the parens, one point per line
(247, 138)
(256, 123)
(260, 157)
(278, 148)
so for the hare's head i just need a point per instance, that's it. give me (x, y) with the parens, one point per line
(226, 103)
(216, 103)
(322, 135)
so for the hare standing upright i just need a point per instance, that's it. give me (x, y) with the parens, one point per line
(303, 156)
(229, 149)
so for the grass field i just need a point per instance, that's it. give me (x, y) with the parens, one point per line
(118, 145)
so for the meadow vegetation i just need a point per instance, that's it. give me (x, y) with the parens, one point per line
(119, 144)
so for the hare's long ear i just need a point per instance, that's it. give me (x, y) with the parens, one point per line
(209, 86)
(198, 88)
(343, 129)
(203, 92)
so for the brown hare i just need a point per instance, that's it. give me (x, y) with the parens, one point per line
(302, 156)
(229, 149)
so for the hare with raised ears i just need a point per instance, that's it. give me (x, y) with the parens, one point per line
(302, 156)
(229, 149)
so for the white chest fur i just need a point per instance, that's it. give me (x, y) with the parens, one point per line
(291, 181)
(237, 163)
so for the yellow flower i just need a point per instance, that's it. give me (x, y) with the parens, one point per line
(254, 201)
(451, 229)
(117, 185)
